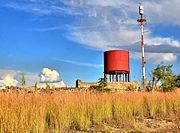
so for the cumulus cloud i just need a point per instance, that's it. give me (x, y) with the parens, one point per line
(8, 81)
(13, 78)
(49, 75)
(31, 78)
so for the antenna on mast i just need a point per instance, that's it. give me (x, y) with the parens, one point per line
(142, 20)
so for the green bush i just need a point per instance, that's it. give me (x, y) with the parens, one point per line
(102, 86)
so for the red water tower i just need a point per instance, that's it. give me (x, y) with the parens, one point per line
(116, 66)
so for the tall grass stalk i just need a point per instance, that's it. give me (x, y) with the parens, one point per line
(80, 110)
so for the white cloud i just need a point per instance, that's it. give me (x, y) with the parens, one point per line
(161, 57)
(106, 31)
(156, 57)
(2, 86)
(8, 81)
(125, 38)
(163, 11)
(31, 78)
(80, 63)
(107, 39)
(46, 29)
(52, 85)
(169, 57)
(13, 78)
(162, 40)
(111, 24)
(48, 75)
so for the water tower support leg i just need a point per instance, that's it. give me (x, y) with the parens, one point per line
(116, 77)
(129, 77)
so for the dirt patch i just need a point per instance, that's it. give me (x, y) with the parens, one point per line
(143, 126)
(156, 126)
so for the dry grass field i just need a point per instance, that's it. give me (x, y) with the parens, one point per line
(88, 111)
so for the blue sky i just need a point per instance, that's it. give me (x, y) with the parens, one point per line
(70, 36)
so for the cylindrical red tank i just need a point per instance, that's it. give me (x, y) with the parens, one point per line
(116, 62)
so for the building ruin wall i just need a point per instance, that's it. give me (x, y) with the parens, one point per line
(131, 86)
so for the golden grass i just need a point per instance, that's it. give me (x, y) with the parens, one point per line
(62, 111)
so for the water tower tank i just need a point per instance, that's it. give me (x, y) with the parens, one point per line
(116, 65)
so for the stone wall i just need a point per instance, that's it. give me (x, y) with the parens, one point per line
(131, 86)
(80, 84)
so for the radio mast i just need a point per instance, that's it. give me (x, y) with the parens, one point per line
(142, 21)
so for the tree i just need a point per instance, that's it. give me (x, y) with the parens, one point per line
(23, 81)
(163, 76)
(102, 85)
(178, 81)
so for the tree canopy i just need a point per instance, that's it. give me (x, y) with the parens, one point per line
(163, 78)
